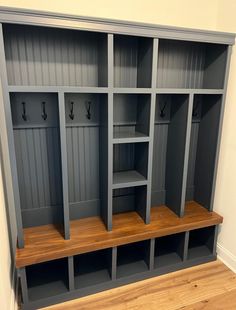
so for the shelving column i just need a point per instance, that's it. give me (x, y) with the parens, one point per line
(151, 131)
(108, 217)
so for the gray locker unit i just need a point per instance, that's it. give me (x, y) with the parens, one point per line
(108, 120)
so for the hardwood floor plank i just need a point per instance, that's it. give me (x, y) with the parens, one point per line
(179, 290)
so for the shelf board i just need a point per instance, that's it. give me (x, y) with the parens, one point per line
(189, 91)
(198, 251)
(46, 242)
(55, 89)
(129, 137)
(131, 90)
(128, 178)
(167, 259)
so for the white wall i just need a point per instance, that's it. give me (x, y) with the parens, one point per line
(201, 14)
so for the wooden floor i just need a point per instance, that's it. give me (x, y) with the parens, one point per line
(210, 286)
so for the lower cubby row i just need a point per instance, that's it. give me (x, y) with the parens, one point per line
(48, 279)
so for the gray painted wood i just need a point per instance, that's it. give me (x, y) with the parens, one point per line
(9, 158)
(24, 286)
(33, 17)
(71, 273)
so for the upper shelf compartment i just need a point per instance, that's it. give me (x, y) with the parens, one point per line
(132, 61)
(191, 65)
(40, 56)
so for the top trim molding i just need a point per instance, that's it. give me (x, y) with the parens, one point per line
(48, 19)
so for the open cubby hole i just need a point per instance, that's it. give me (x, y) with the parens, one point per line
(201, 242)
(130, 164)
(133, 258)
(87, 153)
(185, 64)
(41, 56)
(169, 151)
(35, 120)
(47, 279)
(132, 61)
(131, 115)
(203, 146)
(130, 199)
(169, 250)
(92, 268)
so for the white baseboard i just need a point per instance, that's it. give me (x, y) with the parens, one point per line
(226, 257)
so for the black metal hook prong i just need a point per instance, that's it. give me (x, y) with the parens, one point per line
(88, 108)
(195, 109)
(44, 114)
(24, 112)
(71, 115)
(162, 110)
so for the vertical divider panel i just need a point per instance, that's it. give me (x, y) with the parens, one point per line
(108, 219)
(215, 240)
(24, 286)
(114, 264)
(229, 52)
(8, 152)
(152, 253)
(71, 276)
(186, 241)
(151, 130)
(186, 153)
(66, 219)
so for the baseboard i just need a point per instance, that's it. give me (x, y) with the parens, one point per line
(226, 257)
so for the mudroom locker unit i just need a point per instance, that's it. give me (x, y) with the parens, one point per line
(110, 135)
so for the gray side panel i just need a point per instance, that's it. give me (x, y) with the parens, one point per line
(44, 56)
(159, 164)
(176, 153)
(206, 152)
(192, 161)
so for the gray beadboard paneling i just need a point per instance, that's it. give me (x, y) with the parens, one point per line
(184, 64)
(38, 157)
(159, 164)
(86, 153)
(83, 163)
(47, 56)
(132, 61)
(38, 164)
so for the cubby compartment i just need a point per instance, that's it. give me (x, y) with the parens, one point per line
(133, 258)
(47, 279)
(169, 250)
(132, 61)
(185, 64)
(92, 268)
(35, 120)
(87, 152)
(130, 199)
(130, 164)
(41, 56)
(169, 150)
(203, 147)
(131, 116)
(201, 242)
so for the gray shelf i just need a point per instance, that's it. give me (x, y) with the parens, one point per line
(129, 137)
(128, 178)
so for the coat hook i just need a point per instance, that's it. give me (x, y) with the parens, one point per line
(195, 109)
(24, 116)
(88, 108)
(71, 115)
(162, 110)
(44, 114)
